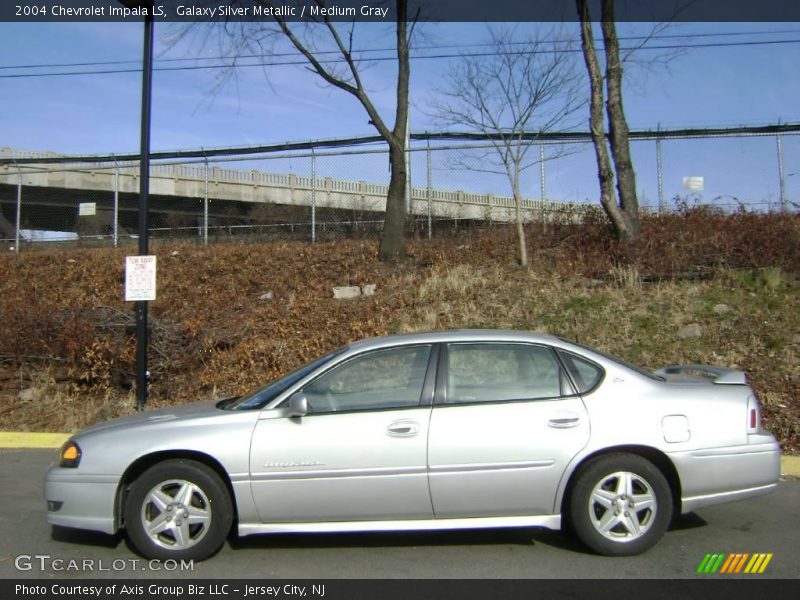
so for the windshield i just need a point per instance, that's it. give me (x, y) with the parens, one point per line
(265, 395)
(616, 359)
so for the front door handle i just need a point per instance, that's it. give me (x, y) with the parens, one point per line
(403, 429)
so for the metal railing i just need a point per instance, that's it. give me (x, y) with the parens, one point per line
(330, 193)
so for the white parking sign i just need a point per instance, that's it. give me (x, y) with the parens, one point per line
(140, 278)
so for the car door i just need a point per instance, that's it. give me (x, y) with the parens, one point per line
(505, 424)
(360, 452)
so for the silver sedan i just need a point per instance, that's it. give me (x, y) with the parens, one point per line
(460, 429)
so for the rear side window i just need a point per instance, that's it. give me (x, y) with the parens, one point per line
(498, 372)
(585, 374)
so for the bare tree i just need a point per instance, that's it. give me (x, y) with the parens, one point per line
(623, 208)
(517, 87)
(315, 40)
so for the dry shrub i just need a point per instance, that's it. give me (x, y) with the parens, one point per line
(704, 237)
(212, 334)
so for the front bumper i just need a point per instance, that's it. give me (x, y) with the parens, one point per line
(718, 475)
(82, 501)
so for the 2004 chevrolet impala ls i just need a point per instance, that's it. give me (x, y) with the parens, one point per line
(459, 429)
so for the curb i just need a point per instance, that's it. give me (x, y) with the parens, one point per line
(790, 465)
(26, 439)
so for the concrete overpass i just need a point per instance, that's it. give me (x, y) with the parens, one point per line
(259, 187)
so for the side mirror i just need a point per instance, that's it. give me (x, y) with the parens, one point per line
(297, 406)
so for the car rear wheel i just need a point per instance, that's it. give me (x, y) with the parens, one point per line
(178, 509)
(620, 505)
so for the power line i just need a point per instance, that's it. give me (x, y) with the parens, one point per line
(390, 58)
(532, 137)
(369, 50)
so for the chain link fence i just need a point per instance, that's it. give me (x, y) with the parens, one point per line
(332, 194)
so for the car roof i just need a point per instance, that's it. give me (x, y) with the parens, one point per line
(492, 335)
(456, 335)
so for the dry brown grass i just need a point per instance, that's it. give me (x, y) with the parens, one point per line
(64, 318)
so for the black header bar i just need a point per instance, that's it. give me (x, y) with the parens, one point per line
(383, 11)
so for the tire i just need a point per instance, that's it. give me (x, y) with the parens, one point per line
(178, 509)
(620, 505)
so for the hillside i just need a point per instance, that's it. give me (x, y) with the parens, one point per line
(699, 288)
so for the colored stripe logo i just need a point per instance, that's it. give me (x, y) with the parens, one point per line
(736, 562)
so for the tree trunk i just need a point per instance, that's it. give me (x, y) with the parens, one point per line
(522, 243)
(618, 125)
(620, 222)
(605, 173)
(392, 246)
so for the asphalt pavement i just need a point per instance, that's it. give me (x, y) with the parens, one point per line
(32, 549)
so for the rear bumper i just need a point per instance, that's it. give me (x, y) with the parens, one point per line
(718, 475)
(695, 502)
(82, 502)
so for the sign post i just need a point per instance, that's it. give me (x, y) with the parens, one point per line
(140, 270)
(144, 193)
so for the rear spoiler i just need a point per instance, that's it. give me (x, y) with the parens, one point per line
(721, 375)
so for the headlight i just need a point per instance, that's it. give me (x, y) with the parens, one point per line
(70, 455)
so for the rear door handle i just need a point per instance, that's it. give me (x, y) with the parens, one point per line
(403, 429)
(564, 422)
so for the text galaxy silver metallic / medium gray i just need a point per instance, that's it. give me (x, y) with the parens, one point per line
(459, 429)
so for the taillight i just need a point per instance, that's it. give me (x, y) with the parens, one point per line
(753, 415)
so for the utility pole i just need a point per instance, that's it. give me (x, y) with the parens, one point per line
(142, 374)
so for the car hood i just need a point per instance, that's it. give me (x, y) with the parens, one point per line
(181, 412)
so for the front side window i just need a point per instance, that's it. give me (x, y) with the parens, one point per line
(492, 372)
(376, 380)
(259, 399)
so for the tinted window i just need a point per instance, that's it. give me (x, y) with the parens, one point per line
(264, 396)
(585, 374)
(618, 360)
(382, 379)
(499, 372)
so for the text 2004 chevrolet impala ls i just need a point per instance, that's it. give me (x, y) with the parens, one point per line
(460, 429)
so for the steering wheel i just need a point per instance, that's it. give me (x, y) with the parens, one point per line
(330, 399)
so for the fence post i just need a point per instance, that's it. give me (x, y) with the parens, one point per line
(430, 190)
(19, 212)
(781, 176)
(205, 202)
(313, 197)
(115, 224)
(660, 174)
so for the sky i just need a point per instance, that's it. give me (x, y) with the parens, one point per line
(700, 87)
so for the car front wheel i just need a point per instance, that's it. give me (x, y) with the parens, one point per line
(620, 505)
(178, 509)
